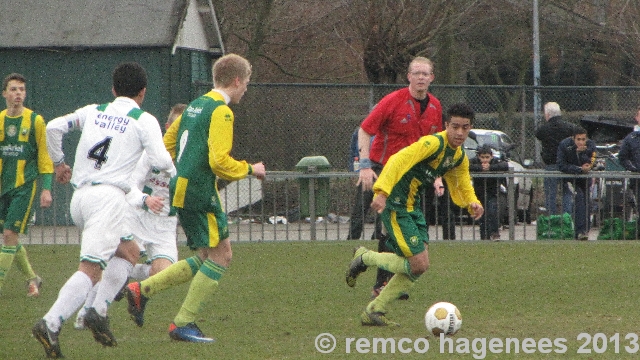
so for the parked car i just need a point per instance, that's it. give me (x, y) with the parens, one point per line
(505, 149)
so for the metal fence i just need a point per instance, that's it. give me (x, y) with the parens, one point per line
(282, 123)
(276, 209)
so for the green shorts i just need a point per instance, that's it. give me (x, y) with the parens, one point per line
(203, 229)
(408, 231)
(16, 207)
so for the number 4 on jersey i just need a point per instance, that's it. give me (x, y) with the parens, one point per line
(98, 152)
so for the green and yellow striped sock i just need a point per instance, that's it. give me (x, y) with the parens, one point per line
(176, 274)
(204, 284)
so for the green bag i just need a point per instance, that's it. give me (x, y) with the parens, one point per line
(616, 229)
(555, 227)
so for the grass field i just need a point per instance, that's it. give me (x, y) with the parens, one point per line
(278, 297)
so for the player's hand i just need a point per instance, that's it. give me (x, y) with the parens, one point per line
(154, 203)
(438, 186)
(379, 202)
(63, 173)
(366, 178)
(45, 198)
(259, 171)
(478, 211)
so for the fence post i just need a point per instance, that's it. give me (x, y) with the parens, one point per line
(511, 200)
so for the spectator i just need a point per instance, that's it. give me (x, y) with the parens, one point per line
(550, 134)
(629, 157)
(576, 155)
(487, 189)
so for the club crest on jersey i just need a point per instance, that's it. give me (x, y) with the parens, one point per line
(447, 162)
(227, 117)
(413, 240)
(12, 130)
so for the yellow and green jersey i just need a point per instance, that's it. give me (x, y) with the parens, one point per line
(200, 141)
(23, 151)
(405, 175)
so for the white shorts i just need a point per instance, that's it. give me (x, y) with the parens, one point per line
(98, 211)
(155, 234)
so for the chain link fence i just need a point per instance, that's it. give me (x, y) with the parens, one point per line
(280, 124)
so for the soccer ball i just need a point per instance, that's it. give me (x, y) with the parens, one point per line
(443, 317)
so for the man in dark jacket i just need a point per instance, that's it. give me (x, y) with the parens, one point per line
(550, 134)
(487, 189)
(629, 157)
(576, 155)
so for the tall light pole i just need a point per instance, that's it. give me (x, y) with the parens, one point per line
(536, 73)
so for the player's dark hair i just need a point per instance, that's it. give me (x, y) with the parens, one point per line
(13, 76)
(129, 79)
(460, 110)
(579, 130)
(484, 149)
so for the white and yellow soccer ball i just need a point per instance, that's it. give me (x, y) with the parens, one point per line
(443, 318)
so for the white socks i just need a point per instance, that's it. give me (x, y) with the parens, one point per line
(113, 278)
(71, 296)
(140, 272)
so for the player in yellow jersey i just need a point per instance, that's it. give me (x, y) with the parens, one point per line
(200, 140)
(397, 199)
(23, 156)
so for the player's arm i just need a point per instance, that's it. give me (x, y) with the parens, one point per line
(220, 142)
(135, 197)
(366, 176)
(461, 190)
(56, 129)
(45, 165)
(171, 137)
(151, 138)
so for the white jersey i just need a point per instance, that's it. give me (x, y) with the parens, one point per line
(146, 179)
(113, 138)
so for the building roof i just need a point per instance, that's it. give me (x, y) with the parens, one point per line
(109, 23)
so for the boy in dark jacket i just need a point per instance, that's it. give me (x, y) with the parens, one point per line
(487, 189)
(629, 157)
(576, 155)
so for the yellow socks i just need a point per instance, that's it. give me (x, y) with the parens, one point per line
(399, 283)
(22, 261)
(204, 284)
(6, 259)
(178, 273)
(387, 261)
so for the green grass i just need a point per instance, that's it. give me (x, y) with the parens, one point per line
(277, 297)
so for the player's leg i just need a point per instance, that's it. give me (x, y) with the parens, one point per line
(358, 212)
(408, 239)
(116, 274)
(180, 272)
(34, 282)
(16, 211)
(97, 210)
(211, 235)
(7, 254)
